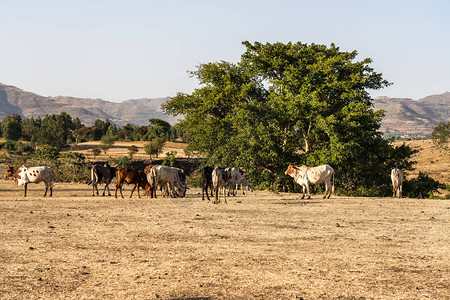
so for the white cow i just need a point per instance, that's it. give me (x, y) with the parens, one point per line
(220, 179)
(304, 176)
(397, 182)
(238, 178)
(172, 180)
(24, 175)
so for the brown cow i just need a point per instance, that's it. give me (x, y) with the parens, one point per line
(147, 169)
(131, 176)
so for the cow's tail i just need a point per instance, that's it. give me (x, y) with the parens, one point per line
(92, 176)
(332, 185)
(52, 175)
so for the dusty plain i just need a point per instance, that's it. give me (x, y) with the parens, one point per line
(262, 245)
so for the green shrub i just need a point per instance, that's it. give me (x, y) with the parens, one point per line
(169, 159)
(421, 187)
(71, 167)
(124, 162)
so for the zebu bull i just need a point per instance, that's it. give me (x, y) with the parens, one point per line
(131, 176)
(172, 180)
(305, 176)
(24, 175)
(397, 182)
(102, 174)
(238, 177)
(220, 179)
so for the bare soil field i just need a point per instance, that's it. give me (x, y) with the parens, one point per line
(262, 245)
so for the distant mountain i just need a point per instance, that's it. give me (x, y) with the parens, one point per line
(405, 116)
(16, 101)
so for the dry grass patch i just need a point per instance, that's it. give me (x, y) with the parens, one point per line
(430, 160)
(120, 149)
(262, 245)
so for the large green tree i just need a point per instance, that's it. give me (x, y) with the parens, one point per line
(294, 103)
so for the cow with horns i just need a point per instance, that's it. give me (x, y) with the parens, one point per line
(24, 175)
(305, 176)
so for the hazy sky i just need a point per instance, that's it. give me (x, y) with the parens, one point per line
(118, 50)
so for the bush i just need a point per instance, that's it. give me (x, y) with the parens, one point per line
(421, 187)
(72, 167)
(47, 153)
(124, 162)
(170, 158)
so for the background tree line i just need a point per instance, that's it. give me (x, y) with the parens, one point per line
(60, 130)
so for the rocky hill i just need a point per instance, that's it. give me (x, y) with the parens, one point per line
(16, 101)
(413, 117)
(403, 116)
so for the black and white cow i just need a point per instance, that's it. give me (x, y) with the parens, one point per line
(220, 179)
(102, 174)
(238, 177)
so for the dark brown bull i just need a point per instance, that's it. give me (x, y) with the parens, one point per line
(131, 176)
(207, 184)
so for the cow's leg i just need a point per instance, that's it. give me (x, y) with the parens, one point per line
(224, 195)
(230, 188)
(107, 187)
(216, 194)
(155, 187)
(400, 191)
(132, 190)
(307, 190)
(51, 189)
(138, 188)
(327, 189)
(93, 189)
(208, 189)
(303, 191)
(46, 188)
(203, 191)
(170, 189)
(119, 187)
(104, 189)
(393, 192)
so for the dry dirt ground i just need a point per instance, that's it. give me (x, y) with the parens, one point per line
(262, 245)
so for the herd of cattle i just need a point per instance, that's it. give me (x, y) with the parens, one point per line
(171, 181)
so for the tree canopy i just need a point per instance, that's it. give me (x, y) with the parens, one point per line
(294, 102)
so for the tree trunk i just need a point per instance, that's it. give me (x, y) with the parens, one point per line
(306, 138)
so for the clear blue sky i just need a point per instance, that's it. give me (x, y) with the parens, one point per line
(118, 50)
